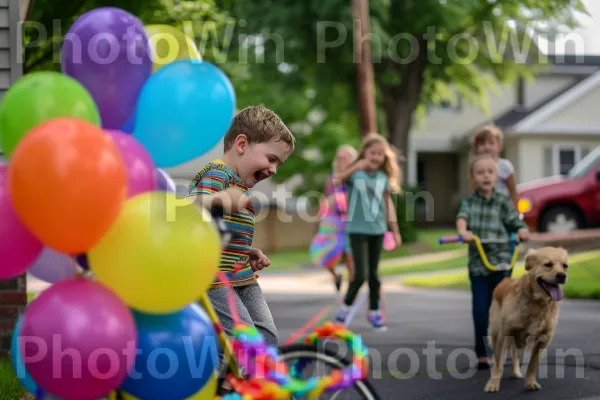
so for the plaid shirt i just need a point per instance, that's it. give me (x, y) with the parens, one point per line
(489, 219)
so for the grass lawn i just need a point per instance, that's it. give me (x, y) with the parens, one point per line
(583, 277)
(427, 242)
(10, 387)
(450, 263)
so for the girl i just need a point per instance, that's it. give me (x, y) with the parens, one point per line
(371, 212)
(332, 224)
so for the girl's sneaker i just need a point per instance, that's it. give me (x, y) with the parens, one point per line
(342, 314)
(376, 320)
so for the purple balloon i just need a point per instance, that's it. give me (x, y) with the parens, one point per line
(108, 51)
(138, 163)
(52, 266)
(164, 182)
(85, 318)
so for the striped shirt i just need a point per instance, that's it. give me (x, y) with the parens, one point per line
(216, 177)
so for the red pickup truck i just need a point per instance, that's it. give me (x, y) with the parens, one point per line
(566, 202)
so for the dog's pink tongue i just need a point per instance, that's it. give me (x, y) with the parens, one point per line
(555, 291)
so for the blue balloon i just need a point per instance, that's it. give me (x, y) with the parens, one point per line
(17, 362)
(129, 125)
(176, 356)
(183, 111)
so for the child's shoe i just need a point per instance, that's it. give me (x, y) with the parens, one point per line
(376, 320)
(342, 314)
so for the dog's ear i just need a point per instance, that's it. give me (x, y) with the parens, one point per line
(530, 259)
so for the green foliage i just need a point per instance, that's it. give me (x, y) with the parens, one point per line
(49, 20)
(407, 213)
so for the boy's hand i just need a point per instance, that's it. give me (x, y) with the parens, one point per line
(523, 234)
(467, 236)
(258, 260)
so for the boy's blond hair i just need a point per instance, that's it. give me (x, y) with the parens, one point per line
(260, 125)
(478, 158)
(490, 131)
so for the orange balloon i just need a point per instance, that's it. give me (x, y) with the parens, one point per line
(68, 183)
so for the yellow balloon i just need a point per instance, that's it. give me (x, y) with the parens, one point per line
(208, 392)
(160, 255)
(170, 44)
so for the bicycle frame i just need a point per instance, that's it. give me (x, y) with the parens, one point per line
(513, 241)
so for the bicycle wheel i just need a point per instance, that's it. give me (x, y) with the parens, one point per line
(299, 356)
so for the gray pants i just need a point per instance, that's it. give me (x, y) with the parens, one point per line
(252, 309)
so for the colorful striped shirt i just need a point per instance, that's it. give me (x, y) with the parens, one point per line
(215, 177)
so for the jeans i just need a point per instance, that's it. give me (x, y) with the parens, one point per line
(366, 251)
(482, 288)
(252, 309)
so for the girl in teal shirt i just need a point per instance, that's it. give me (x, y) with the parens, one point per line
(371, 212)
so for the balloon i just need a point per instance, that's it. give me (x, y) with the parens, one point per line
(140, 167)
(82, 340)
(170, 44)
(129, 125)
(183, 111)
(164, 182)
(18, 247)
(208, 392)
(52, 266)
(177, 355)
(68, 183)
(39, 97)
(17, 360)
(159, 245)
(107, 51)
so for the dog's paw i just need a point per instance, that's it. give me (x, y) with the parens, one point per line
(532, 386)
(516, 374)
(492, 386)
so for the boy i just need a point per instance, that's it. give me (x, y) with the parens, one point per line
(255, 145)
(488, 214)
(489, 140)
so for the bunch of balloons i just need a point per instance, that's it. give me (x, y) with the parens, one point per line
(84, 187)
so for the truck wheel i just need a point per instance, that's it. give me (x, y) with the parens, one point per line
(561, 219)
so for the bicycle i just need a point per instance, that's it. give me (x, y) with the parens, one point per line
(513, 240)
(258, 372)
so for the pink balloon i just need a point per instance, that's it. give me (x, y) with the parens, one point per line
(78, 340)
(141, 174)
(19, 248)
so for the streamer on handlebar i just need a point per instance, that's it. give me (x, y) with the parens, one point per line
(513, 241)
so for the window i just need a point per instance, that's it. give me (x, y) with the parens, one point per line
(564, 157)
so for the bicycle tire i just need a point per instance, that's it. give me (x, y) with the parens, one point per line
(329, 357)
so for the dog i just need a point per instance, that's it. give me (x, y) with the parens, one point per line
(524, 311)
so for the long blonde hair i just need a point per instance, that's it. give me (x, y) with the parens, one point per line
(390, 165)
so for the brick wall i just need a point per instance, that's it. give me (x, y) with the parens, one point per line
(13, 299)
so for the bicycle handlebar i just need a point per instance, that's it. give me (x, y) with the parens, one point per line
(513, 241)
(458, 239)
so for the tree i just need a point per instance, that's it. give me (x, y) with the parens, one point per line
(424, 51)
(49, 20)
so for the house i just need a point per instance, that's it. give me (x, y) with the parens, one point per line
(549, 125)
(12, 292)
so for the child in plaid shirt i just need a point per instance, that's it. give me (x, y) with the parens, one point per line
(489, 214)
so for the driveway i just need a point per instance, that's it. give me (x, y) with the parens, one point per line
(426, 352)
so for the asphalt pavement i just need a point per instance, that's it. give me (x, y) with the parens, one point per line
(427, 350)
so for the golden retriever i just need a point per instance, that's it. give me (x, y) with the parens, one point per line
(524, 311)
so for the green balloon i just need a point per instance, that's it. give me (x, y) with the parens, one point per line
(39, 97)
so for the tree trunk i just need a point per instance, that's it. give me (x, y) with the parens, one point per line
(400, 101)
(364, 67)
